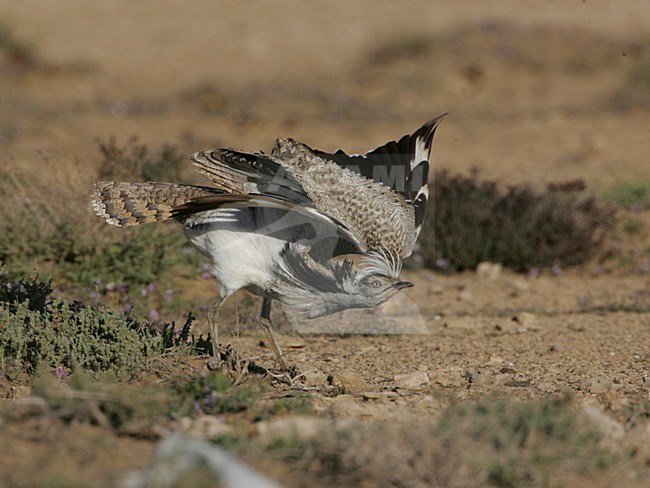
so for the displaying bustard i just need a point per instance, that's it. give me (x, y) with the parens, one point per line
(283, 225)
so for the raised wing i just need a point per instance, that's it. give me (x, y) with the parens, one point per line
(402, 166)
(377, 199)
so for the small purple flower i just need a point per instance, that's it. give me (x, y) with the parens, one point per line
(153, 314)
(178, 330)
(152, 287)
(204, 308)
(96, 281)
(168, 296)
(556, 269)
(127, 307)
(111, 286)
(211, 398)
(635, 207)
(645, 266)
(206, 276)
(123, 287)
(197, 407)
(62, 373)
(94, 295)
(442, 263)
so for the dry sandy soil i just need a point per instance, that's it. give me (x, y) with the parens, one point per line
(536, 92)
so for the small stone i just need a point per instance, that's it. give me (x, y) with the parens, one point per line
(487, 271)
(379, 395)
(519, 286)
(298, 426)
(596, 385)
(576, 327)
(546, 386)
(526, 320)
(349, 381)
(345, 398)
(371, 395)
(466, 296)
(206, 427)
(435, 289)
(451, 376)
(411, 380)
(480, 377)
(314, 378)
(556, 347)
(345, 406)
(16, 392)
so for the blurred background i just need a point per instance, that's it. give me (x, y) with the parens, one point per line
(536, 91)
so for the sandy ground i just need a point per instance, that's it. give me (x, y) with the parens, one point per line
(536, 92)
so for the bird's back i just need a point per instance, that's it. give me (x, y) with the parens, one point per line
(379, 215)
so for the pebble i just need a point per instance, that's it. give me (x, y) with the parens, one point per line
(576, 327)
(487, 271)
(518, 286)
(204, 426)
(298, 426)
(435, 289)
(345, 406)
(526, 320)
(449, 377)
(314, 378)
(518, 384)
(411, 380)
(379, 395)
(466, 296)
(596, 385)
(16, 392)
(349, 381)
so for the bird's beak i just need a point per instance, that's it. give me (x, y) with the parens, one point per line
(403, 284)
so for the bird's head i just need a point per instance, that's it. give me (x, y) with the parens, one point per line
(315, 289)
(374, 289)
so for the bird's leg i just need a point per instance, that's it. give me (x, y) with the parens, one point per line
(265, 322)
(213, 321)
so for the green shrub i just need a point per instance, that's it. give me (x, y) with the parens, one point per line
(133, 161)
(473, 220)
(55, 232)
(494, 442)
(17, 51)
(631, 194)
(39, 331)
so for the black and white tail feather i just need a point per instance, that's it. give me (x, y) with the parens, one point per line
(403, 166)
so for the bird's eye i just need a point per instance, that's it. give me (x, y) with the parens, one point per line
(376, 284)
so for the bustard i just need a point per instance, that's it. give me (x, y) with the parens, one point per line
(283, 225)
